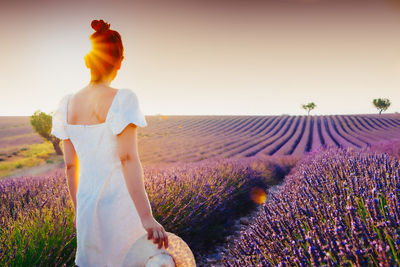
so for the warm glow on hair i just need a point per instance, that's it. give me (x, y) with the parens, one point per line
(107, 49)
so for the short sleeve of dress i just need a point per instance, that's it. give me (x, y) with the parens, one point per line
(125, 111)
(58, 127)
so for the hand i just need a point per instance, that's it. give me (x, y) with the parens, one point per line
(155, 231)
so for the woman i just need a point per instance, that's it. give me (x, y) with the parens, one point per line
(98, 126)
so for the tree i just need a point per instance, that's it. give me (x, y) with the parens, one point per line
(381, 104)
(42, 123)
(310, 106)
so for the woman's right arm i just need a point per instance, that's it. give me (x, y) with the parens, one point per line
(133, 174)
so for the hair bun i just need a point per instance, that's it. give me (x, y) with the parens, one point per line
(100, 25)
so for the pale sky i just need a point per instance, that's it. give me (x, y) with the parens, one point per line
(208, 57)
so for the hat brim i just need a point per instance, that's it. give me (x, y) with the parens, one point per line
(143, 248)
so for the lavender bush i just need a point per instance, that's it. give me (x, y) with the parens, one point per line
(338, 207)
(36, 222)
(197, 201)
(391, 147)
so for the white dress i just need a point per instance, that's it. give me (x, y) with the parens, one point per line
(107, 222)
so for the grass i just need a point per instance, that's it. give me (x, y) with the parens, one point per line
(29, 156)
(35, 242)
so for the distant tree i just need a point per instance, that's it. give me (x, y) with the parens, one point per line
(381, 104)
(42, 123)
(309, 107)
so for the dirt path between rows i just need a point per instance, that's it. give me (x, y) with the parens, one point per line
(40, 170)
(215, 259)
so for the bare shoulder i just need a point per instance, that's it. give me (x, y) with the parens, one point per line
(98, 93)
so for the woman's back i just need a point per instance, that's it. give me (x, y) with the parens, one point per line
(107, 221)
(90, 105)
(88, 137)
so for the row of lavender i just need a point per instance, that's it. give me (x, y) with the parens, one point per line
(294, 135)
(197, 201)
(238, 136)
(337, 207)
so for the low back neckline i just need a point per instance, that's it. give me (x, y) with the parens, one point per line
(90, 125)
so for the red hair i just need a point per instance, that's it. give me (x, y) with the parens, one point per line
(107, 48)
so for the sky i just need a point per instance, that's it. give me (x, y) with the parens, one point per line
(220, 57)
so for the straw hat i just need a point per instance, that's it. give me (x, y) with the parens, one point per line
(145, 253)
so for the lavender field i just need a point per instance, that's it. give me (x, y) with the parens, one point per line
(246, 136)
(336, 197)
(170, 138)
(37, 214)
(339, 207)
